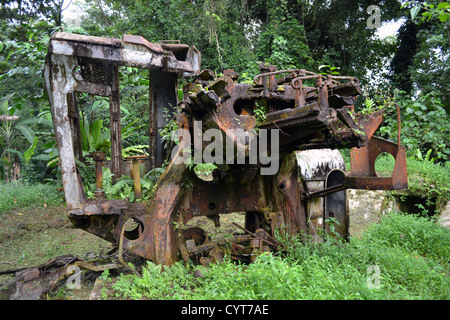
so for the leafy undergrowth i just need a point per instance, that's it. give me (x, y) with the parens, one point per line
(21, 194)
(403, 257)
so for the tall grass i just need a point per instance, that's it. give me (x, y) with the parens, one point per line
(403, 257)
(22, 194)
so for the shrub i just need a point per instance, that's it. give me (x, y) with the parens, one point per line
(423, 124)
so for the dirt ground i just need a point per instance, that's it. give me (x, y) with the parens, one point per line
(32, 236)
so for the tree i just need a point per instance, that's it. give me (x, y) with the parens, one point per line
(329, 32)
(24, 40)
(21, 11)
(404, 57)
(420, 70)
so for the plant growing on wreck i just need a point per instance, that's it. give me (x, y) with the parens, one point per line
(410, 253)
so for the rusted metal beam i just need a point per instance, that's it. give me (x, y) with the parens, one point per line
(98, 157)
(136, 174)
(363, 174)
(115, 120)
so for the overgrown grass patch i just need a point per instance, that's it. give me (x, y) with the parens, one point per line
(21, 194)
(429, 179)
(403, 257)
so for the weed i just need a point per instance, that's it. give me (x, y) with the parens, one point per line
(22, 195)
(172, 283)
(413, 233)
(409, 253)
(204, 168)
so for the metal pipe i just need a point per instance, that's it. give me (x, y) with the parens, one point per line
(98, 157)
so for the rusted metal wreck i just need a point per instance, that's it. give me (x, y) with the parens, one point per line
(312, 113)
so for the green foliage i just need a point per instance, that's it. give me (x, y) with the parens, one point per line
(87, 174)
(418, 235)
(427, 39)
(22, 195)
(327, 69)
(14, 135)
(93, 138)
(172, 283)
(123, 187)
(429, 180)
(169, 130)
(410, 253)
(135, 150)
(430, 11)
(424, 124)
(282, 40)
(260, 114)
(369, 106)
(204, 168)
(18, 11)
(22, 52)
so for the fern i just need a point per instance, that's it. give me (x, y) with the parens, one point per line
(119, 185)
(154, 174)
(123, 188)
(135, 150)
(128, 192)
(107, 181)
(86, 172)
(146, 184)
(369, 106)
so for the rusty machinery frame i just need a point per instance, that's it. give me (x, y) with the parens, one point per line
(308, 117)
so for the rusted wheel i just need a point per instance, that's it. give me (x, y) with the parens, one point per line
(196, 234)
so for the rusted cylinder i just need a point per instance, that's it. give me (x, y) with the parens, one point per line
(98, 157)
(136, 174)
(137, 179)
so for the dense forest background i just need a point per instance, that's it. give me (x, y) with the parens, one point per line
(411, 67)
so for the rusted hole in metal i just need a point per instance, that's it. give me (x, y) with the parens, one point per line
(133, 229)
(196, 234)
(84, 222)
(384, 164)
(244, 107)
